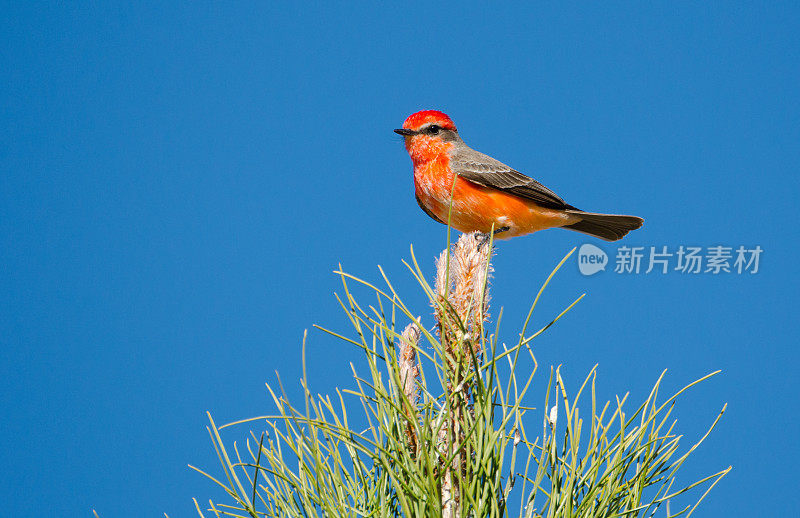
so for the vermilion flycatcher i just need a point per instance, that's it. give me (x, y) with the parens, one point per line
(487, 193)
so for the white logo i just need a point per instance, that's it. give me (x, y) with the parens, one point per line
(591, 259)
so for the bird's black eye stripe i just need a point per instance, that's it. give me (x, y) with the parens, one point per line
(433, 129)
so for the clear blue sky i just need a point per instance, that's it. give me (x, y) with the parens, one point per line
(178, 184)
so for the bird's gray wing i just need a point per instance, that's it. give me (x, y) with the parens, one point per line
(485, 170)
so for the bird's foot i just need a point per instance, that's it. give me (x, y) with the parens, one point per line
(484, 237)
(501, 229)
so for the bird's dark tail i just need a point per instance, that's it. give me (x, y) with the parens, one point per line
(610, 227)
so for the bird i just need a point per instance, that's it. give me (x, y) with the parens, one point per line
(487, 195)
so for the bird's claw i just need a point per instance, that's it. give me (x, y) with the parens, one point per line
(501, 229)
(484, 237)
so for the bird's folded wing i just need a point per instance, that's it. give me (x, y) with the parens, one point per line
(485, 170)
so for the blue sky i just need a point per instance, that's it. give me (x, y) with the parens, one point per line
(178, 184)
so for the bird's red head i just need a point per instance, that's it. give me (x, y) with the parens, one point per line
(429, 134)
(417, 120)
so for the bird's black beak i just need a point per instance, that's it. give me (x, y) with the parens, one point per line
(405, 132)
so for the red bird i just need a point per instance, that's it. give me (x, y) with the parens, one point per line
(487, 193)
